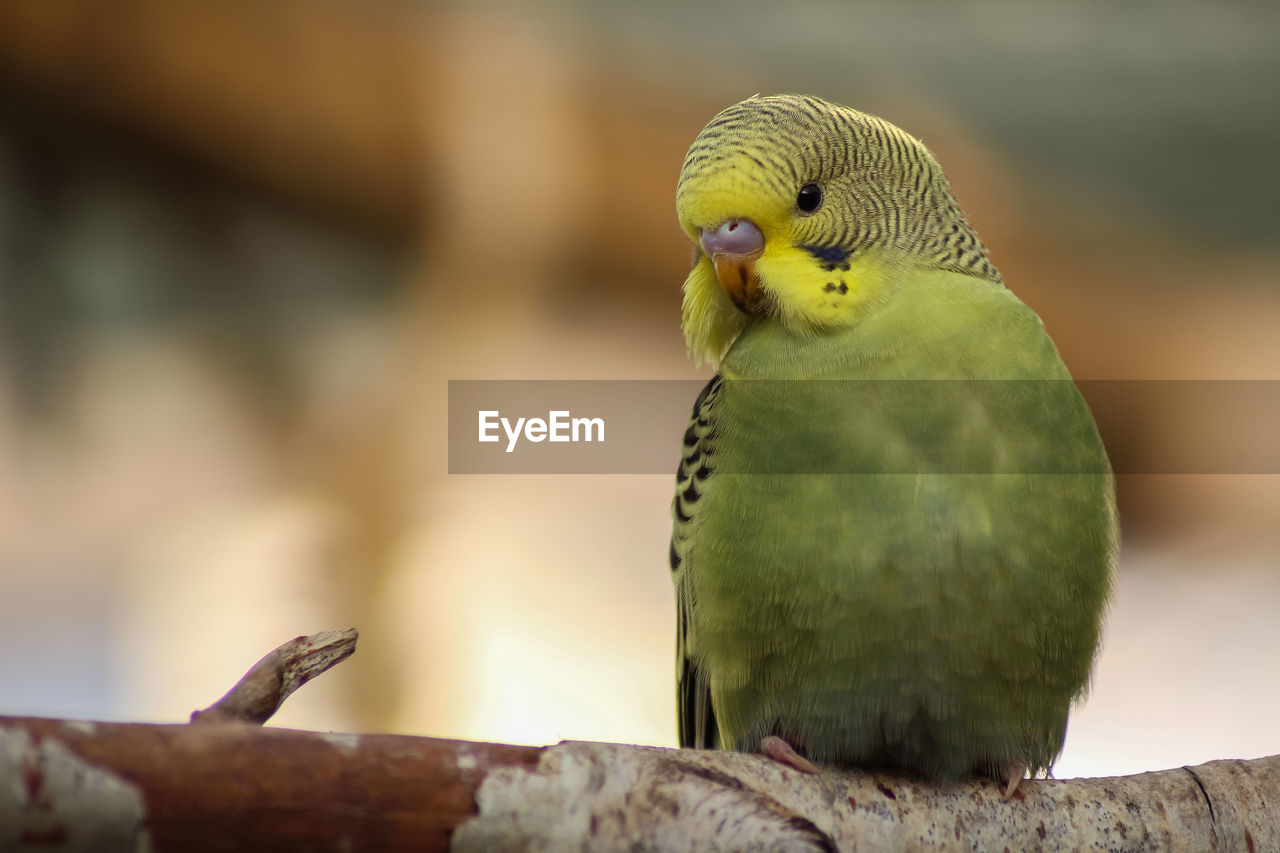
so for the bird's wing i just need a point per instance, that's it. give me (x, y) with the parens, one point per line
(697, 719)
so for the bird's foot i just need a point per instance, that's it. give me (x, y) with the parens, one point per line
(1012, 776)
(780, 751)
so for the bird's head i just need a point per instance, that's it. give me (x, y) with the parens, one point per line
(806, 212)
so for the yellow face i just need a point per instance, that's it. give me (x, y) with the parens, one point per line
(802, 274)
(819, 186)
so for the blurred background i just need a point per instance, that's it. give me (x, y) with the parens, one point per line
(243, 247)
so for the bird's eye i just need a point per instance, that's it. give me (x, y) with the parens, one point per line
(809, 198)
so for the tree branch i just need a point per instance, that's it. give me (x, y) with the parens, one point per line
(131, 787)
(134, 787)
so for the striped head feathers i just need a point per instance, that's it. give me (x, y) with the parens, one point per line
(807, 212)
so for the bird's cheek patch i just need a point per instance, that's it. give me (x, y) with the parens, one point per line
(808, 292)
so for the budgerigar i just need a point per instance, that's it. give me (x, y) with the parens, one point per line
(895, 526)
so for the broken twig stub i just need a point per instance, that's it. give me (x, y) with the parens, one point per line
(263, 689)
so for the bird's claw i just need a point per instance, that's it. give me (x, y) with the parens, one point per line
(780, 751)
(1013, 776)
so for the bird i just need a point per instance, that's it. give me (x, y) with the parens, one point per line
(894, 525)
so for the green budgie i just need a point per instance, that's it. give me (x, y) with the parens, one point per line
(895, 526)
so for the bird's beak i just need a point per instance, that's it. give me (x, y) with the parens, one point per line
(733, 248)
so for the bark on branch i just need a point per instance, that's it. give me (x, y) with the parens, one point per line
(99, 786)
